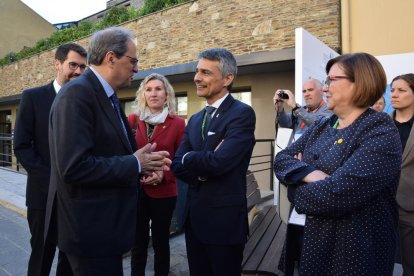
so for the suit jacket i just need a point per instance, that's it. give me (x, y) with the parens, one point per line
(215, 170)
(31, 144)
(92, 170)
(405, 192)
(168, 137)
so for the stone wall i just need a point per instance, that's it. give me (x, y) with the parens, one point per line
(176, 35)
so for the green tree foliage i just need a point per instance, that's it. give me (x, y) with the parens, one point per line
(151, 6)
(115, 16)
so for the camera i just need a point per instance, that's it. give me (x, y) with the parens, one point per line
(283, 95)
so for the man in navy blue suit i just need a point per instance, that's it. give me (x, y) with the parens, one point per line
(213, 159)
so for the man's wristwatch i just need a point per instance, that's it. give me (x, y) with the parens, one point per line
(296, 107)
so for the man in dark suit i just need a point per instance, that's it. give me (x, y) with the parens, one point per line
(95, 166)
(31, 147)
(213, 159)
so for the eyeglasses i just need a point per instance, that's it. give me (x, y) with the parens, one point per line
(134, 61)
(73, 66)
(330, 78)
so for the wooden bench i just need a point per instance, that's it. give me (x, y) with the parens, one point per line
(267, 235)
(252, 191)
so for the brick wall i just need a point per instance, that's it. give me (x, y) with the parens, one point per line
(176, 35)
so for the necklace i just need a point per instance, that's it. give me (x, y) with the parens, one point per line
(335, 126)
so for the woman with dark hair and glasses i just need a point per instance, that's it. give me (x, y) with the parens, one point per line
(402, 100)
(346, 170)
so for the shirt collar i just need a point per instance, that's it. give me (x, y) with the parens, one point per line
(217, 103)
(108, 89)
(56, 86)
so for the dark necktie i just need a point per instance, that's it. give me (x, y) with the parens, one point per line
(117, 109)
(206, 120)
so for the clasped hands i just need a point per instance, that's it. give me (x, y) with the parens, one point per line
(153, 164)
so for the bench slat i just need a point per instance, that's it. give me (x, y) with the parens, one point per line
(271, 259)
(254, 236)
(258, 242)
(253, 199)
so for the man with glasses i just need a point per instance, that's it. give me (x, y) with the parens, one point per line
(95, 162)
(31, 148)
(301, 117)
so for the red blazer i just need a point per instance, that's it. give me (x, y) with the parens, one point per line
(168, 137)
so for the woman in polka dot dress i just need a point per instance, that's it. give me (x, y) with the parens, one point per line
(346, 170)
(402, 100)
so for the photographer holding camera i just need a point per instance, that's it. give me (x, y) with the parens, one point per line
(301, 117)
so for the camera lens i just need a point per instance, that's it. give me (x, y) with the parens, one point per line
(283, 95)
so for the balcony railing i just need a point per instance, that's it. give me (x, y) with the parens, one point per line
(260, 163)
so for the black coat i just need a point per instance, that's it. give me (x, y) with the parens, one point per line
(31, 144)
(93, 171)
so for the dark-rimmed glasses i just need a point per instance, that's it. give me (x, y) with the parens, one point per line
(330, 78)
(134, 61)
(73, 66)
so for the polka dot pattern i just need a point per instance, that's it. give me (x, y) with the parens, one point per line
(352, 214)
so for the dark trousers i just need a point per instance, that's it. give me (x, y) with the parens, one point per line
(157, 212)
(212, 260)
(292, 249)
(43, 252)
(96, 266)
(406, 227)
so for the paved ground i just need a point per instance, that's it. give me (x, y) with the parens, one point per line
(14, 234)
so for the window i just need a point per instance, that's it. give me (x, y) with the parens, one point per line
(243, 95)
(129, 107)
(181, 105)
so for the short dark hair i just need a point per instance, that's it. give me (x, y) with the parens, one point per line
(113, 39)
(408, 78)
(228, 64)
(366, 72)
(63, 50)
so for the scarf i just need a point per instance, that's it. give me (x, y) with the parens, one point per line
(154, 118)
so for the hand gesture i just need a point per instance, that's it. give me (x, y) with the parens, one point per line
(152, 161)
(153, 179)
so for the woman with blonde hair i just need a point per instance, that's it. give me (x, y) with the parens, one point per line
(157, 123)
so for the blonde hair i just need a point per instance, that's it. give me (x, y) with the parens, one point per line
(140, 101)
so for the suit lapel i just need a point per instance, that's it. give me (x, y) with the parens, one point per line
(409, 146)
(108, 109)
(221, 111)
(161, 128)
(51, 93)
(196, 122)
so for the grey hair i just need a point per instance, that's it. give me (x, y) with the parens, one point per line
(318, 83)
(226, 59)
(140, 101)
(113, 39)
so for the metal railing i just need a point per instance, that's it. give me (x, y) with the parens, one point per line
(7, 158)
(261, 162)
